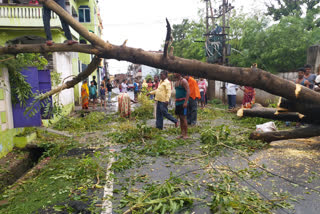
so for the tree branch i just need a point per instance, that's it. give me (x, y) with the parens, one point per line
(81, 76)
(168, 40)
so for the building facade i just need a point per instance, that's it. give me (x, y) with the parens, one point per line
(21, 23)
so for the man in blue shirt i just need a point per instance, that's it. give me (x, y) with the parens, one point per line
(135, 90)
(93, 94)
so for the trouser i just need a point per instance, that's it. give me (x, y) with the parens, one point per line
(46, 16)
(231, 101)
(162, 111)
(109, 96)
(192, 111)
(155, 109)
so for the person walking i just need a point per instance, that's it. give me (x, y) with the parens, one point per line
(85, 95)
(232, 95)
(162, 96)
(46, 16)
(93, 94)
(192, 105)
(103, 96)
(109, 87)
(182, 98)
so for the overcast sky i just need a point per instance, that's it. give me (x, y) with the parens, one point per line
(142, 22)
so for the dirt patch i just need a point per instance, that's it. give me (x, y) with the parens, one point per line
(17, 163)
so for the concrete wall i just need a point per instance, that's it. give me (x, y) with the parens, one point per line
(313, 57)
(7, 132)
(261, 96)
(62, 63)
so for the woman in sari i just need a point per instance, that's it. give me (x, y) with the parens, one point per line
(248, 97)
(124, 105)
(85, 95)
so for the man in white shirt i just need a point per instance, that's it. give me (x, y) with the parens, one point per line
(124, 86)
(317, 81)
(232, 93)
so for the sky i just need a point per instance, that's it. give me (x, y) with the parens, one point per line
(142, 22)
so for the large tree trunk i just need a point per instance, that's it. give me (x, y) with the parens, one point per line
(272, 113)
(307, 132)
(311, 110)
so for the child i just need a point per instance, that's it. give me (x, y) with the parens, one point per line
(93, 94)
(103, 95)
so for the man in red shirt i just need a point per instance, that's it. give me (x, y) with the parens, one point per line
(193, 103)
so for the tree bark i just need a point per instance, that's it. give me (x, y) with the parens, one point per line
(307, 132)
(256, 78)
(272, 113)
(311, 110)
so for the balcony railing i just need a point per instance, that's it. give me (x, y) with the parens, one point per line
(23, 11)
(26, 16)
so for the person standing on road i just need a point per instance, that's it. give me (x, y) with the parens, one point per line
(85, 95)
(232, 94)
(155, 86)
(109, 87)
(192, 105)
(136, 89)
(46, 16)
(162, 96)
(103, 96)
(124, 86)
(308, 76)
(93, 94)
(182, 98)
(203, 91)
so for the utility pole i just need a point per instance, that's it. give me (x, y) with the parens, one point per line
(211, 83)
(217, 53)
(224, 46)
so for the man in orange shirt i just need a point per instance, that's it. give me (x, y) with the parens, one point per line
(193, 103)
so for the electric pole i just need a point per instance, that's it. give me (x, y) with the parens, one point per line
(216, 48)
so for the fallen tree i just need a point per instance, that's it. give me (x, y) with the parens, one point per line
(254, 77)
(272, 113)
(311, 131)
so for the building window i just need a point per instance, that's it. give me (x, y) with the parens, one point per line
(84, 14)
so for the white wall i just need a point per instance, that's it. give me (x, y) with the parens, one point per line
(6, 105)
(262, 97)
(62, 63)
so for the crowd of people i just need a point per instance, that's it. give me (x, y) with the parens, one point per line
(189, 93)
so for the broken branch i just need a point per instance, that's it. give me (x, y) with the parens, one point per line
(310, 131)
(168, 39)
(69, 84)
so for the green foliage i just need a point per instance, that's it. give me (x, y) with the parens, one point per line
(89, 122)
(293, 8)
(20, 89)
(145, 109)
(185, 37)
(166, 198)
(63, 178)
(275, 47)
(55, 78)
(230, 197)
